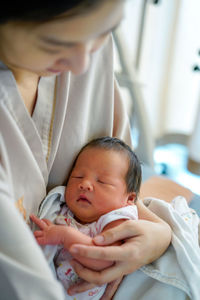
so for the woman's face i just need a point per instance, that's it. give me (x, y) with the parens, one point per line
(60, 45)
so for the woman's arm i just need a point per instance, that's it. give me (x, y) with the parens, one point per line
(20, 256)
(164, 188)
(144, 241)
(147, 238)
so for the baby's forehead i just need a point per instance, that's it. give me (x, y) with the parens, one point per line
(101, 157)
(94, 151)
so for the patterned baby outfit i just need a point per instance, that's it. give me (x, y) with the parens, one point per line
(64, 270)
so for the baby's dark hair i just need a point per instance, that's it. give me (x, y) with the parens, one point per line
(134, 174)
(41, 11)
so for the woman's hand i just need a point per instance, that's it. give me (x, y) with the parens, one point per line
(83, 286)
(144, 242)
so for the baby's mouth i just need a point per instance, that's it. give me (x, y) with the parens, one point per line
(83, 198)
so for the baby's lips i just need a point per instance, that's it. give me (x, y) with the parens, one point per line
(83, 198)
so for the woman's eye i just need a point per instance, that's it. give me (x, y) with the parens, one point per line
(52, 51)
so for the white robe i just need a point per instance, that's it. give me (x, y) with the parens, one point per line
(37, 153)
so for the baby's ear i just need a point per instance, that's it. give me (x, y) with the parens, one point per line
(131, 198)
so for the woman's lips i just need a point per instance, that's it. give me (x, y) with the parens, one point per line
(54, 71)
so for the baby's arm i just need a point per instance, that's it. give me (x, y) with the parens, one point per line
(52, 234)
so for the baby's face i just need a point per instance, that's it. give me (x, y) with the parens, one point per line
(97, 184)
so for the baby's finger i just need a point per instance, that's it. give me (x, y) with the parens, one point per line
(41, 240)
(38, 233)
(40, 223)
(47, 222)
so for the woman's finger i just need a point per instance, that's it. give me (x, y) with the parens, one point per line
(80, 287)
(105, 253)
(111, 289)
(83, 286)
(111, 253)
(123, 231)
(101, 277)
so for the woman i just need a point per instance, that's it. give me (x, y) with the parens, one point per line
(57, 93)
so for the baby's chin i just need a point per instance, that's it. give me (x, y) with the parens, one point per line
(85, 220)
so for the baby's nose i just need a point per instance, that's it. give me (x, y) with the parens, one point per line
(86, 186)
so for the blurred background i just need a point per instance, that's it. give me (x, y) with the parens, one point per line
(157, 63)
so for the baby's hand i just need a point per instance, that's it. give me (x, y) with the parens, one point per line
(47, 233)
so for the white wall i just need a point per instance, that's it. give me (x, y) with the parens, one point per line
(169, 87)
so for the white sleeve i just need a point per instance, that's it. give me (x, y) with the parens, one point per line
(184, 223)
(126, 213)
(23, 269)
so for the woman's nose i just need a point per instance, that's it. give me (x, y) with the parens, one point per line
(86, 185)
(79, 60)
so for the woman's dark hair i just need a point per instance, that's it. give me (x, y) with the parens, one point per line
(41, 11)
(134, 173)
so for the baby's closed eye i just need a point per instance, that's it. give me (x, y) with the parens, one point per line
(104, 181)
(101, 181)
